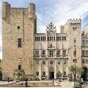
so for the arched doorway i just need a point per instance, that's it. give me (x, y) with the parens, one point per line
(0, 75)
(51, 73)
(85, 74)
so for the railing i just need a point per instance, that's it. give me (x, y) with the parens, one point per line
(50, 56)
(84, 56)
(51, 47)
(84, 46)
(43, 55)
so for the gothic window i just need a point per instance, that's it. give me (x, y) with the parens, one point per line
(51, 62)
(37, 73)
(83, 52)
(86, 42)
(83, 60)
(44, 73)
(51, 38)
(64, 52)
(43, 52)
(19, 67)
(58, 62)
(48, 38)
(74, 40)
(86, 60)
(58, 38)
(64, 38)
(83, 42)
(43, 38)
(58, 53)
(37, 53)
(50, 45)
(74, 28)
(37, 62)
(43, 62)
(19, 42)
(37, 38)
(65, 62)
(75, 52)
(54, 38)
(86, 52)
(51, 53)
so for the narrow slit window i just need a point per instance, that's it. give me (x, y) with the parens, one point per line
(19, 67)
(19, 42)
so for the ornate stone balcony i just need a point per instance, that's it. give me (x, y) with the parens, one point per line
(54, 56)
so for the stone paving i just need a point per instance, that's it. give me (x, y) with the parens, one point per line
(64, 84)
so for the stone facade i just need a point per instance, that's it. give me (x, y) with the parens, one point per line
(19, 25)
(56, 52)
(39, 55)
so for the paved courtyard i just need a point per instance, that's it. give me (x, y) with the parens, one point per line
(64, 84)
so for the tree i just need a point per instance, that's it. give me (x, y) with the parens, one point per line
(76, 70)
(85, 73)
(73, 69)
(80, 70)
(59, 74)
(19, 74)
(70, 77)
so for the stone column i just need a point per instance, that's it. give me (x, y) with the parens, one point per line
(55, 70)
(40, 68)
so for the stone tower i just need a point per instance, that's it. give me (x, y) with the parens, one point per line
(18, 29)
(73, 29)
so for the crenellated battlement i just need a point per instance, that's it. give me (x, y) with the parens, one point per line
(7, 11)
(73, 21)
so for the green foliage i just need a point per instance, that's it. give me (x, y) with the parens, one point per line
(59, 74)
(76, 70)
(80, 70)
(70, 77)
(18, 74)
(73, 69)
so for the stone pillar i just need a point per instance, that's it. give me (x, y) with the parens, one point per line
(55, 70)
(40, 68)
(62, 66)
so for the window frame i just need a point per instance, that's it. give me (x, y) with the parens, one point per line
(19, 42)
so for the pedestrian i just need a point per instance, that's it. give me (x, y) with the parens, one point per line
(26, 82)
(81, 80)
(8, 79)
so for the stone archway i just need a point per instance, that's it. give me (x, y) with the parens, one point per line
(51, 73)
(85, 74)
(0, 75)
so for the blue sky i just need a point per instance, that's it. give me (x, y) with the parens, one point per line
(57, 11)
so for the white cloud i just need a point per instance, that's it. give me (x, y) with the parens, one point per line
(62, 10)
(57, 11)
